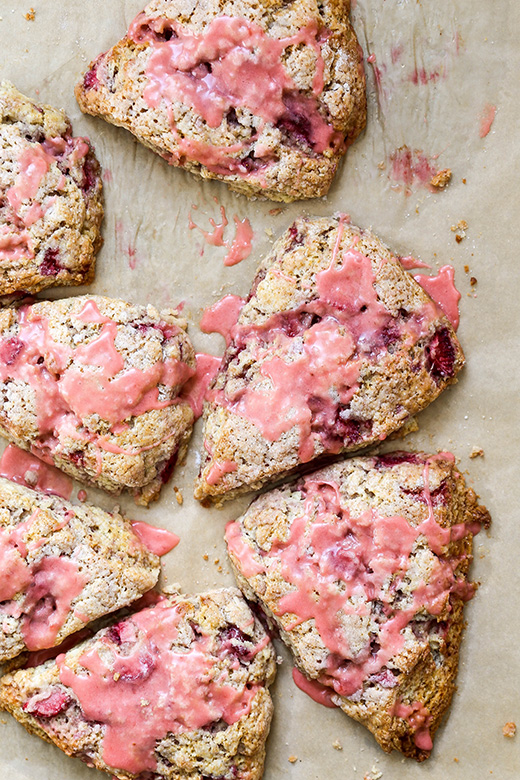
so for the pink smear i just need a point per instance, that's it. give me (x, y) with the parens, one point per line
(443, 291)
(82, 495)
(241, 245)
(487, 118)
(222, 316)
(318, 692)
(422, 76)
(412, 166)
(378, 74)
(396, 52)
(194, 391)
(157, 540)
(125, 246)
(25, 469)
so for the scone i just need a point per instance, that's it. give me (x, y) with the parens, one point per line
(362, 566)
(176, 691)
(336, 347)
(62, 566)
(93, 385)
(50, 198)
(265, 96)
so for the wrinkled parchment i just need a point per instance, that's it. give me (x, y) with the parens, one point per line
(436, 67)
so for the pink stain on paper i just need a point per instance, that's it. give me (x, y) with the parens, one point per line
(239, 247)
(412, 166)
(487, 118)
(125, 246)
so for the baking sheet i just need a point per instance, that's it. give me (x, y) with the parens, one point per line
(435, 66)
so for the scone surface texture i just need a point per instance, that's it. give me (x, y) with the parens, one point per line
(336, 347)
(94, 384)
(265, 96)
(177, 690)
(51, 204)
(362, 567)
(63, 566)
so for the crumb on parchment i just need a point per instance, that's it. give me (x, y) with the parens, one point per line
(441, 179)
(460, 230)
(292, 759)
(374, 774)
(337, 745)
(31, 13)
(178, 496)
(476, 452)
(509, 729)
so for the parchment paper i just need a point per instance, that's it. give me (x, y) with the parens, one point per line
(439, 63)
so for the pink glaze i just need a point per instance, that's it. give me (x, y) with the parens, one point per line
(25, 469)
(33, 164)
(158, 540)
(14, 246)
(140, 689)
(419, 718)
(233, 64)
(243, 552)
(443, 291)
(56, 582)
(195, 390)
(216, 237)
(246, 68)
(242, 243)
(486, 119)
(408, 262)
(16, 575)
(218, 469)
(338, 564)
(70, 384)
(325, 358)
(222, 316)
(318, 692)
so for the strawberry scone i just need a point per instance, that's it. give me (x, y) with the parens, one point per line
(94, 385)
(50, 198)
(265, 96)
(363, 567)
(336, 348)
(177, 691)
(62, 566)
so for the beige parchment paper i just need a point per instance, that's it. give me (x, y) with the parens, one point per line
(437, 64)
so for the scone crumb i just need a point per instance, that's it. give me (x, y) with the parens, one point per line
(460, 230)
(476, 452)
(292, 759)
(441, 179)
(473, 281)
(31, 13)
(466, 269)
(456, 760)
(509, 729)
(205, 556)
(116, 676)
(178, 495)
(374, 774)
(275, 212)
(337, 745)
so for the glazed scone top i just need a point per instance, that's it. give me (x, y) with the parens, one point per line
(178, 689)
(335, 347)
(95, 384)
(264, 95)
(51, 208)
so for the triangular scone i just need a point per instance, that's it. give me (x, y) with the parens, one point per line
(335, 348)
(263, 95)
(50, 196)
(62, 566)
(94, 384)
(362, 566)
(178, 690)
